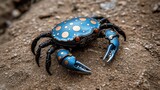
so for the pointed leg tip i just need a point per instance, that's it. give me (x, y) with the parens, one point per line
(125, 39)
(47, 69)
(37, 61)
(49, 73)
(38, 64)
(32, 49)
(33, 53)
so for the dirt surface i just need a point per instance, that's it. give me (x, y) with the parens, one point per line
(11, 10)
(135, 67)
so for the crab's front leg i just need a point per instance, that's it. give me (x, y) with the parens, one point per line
(66, 59)
(113, 44)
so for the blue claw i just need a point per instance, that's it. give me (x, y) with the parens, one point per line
(70, 62)
(113, 47)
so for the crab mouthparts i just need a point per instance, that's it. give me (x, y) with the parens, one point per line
(81, 68)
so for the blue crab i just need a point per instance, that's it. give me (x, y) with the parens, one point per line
(77, 32)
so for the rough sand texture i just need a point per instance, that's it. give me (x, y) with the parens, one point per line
(135, 67)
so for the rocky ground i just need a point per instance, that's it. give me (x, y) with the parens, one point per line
(135, 67)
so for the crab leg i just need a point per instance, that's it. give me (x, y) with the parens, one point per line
(48, 58)
(67, 60)
(113, 27)
(38, 52)
(107, 24)
(34, 43)
(98, 17)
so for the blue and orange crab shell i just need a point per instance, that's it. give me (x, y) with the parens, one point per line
(69, 29)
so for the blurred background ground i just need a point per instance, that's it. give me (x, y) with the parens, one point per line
(136, 65)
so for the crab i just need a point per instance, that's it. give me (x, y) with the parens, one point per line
(77, 32)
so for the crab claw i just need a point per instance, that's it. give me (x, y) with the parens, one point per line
(71, 63)
(113, 46)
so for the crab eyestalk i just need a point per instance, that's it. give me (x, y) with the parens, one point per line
(113, 46)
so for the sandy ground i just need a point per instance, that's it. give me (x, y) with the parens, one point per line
(135, 67)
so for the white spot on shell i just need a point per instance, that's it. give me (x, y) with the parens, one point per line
(71, 23)
(76, 28)
(88, 24)
(57, 33)
(65, 34)
(62, 53)
(66, 27)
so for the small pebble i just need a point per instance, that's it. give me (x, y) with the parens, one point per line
(123, 14)
(6, 50)
(156, 8)
(133, 28)
(123, 21)
(39, 29)
(103, 85)
(60, 3)
(16, 13)
(143, 12)
(15, 54)
(148, 46)
(108, 16)
(108, 5)
(98, 12)
(57, 17)
(123, 3)
(126, 48)
(134, 11)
